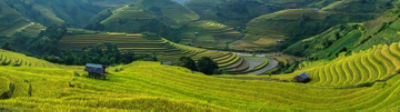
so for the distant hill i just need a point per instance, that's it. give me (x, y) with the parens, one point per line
(359, 6)
(209, 34)
(350, 38)
(146, 15)
(74, 13)
(270, 31)
(237, 13)
(292, 25)
(10, 19)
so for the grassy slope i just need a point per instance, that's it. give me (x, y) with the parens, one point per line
(177, 13)
(76, 13)
(10, 20)
(145, 16)
(351, 37)
(128, 19)
(151, 86)
(358, 6)
(228, 11)
(211, 34)
(287, 24)
(164, 50)
(266, 30)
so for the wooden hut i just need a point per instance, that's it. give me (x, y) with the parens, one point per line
(97, 71)
(303, 77)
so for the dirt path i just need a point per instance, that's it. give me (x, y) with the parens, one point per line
(253, 64)
(271, 65)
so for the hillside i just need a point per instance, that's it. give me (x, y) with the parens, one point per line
(237, 13)
(287, 25)
(200, 55)
(165, 50)
(74, 13)
(146, 86)
(146, 15)
(10, 19)
(209, 34)
(350, 38)
(264, 32)
(358, 6)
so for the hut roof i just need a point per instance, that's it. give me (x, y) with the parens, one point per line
(95, 68)
(91, 65)
(304, 75)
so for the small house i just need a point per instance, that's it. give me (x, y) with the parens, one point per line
(303, 77)
(97, 71)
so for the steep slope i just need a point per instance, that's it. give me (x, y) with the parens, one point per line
(359, 6)
(165, 50)
(360, 69)
(146, 15)
(209, 34)
(350, 38)
(237, 13)
(71, 12)
(268, 31)
(296, 24)
(8, 58)
(10, 20)
(149, 86)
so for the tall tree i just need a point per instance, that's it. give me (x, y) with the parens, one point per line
(188, 63)
(207, 65)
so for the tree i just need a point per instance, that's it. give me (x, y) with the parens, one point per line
(7, 46)
(188, 62)
(151, 36)
(207, 65)
(128, 57)
(55, 32)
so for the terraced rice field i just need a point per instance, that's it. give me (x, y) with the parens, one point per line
(377, 64)
(149, 86)
(166, 50)
(8, 58)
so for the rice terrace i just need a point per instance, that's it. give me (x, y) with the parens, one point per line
(199, 55)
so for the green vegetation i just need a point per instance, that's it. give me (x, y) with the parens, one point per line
(349, 38)
(57, 12)
(281, 29)
(151, 36)
(238, 12)
(207, 65)
(164, 17)
(151, 86)
(10, 20)
(188, 63)
(209, 34)
(163, 49)
(200, 55)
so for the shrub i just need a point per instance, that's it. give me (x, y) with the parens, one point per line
(188, 62)
(207, 65)
(151, 36)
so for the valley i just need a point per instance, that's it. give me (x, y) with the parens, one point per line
(200, 55)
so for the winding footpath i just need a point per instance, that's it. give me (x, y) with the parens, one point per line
(253, 63)
(271, 65)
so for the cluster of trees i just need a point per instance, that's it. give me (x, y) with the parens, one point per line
(151, 36)
(205, 65)
(45, 46)
(106, 53)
